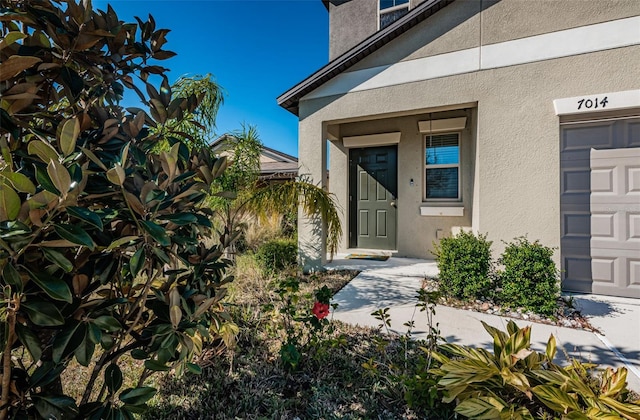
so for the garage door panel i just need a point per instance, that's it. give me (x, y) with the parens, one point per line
(633, 231)
(633, 266)
(603, 269)
(632, 180)
(603, 226)
(633, 134)
(631, 291)
(577, 270)
(587, 136)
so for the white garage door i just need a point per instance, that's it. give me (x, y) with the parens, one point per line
(615, 221)
(600, 207)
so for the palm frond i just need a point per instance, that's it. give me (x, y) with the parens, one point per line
(313, 200)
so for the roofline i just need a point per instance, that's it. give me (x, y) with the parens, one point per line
(334, 2)
(220, 141)
(278, 152)
(290, 99)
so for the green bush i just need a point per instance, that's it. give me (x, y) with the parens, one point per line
(464, 262)
(530, 277)
(277, 255)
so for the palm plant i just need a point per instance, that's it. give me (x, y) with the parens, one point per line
(238, 193)
(201, 124)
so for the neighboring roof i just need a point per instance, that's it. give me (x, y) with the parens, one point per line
(278, 155)
(275, 163)
(291, 98)
(278, 167)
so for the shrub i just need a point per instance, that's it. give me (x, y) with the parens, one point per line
(517, 383)
(464, 262)
(102, 257)
(277, 255)
(530, 277)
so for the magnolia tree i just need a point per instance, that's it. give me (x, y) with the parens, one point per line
(102, 239)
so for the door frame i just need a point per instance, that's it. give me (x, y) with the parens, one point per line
(353, 193)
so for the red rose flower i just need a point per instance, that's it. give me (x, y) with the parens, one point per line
(320, 310)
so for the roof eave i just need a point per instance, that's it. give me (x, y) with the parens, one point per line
(291, 98)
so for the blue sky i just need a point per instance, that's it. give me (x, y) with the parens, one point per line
(256, 49)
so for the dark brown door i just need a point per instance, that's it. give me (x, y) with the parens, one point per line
(373, 190)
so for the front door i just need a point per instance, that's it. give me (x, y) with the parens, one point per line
(373, 189)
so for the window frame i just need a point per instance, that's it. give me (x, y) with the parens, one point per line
(391, 9)
(426, 167)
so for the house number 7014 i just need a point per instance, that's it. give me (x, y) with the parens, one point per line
(594, 103)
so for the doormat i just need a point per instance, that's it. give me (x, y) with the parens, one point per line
(367, 257)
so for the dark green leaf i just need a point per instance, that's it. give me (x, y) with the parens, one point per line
(85, 350)
(45, 314)
(113, 378)
(137, 396)
(139, 354)
(161, 255)
(45, 374)
(86, 410)
(30, 340)
(86, 215)
(157, 232)
(192, 367)
(180, 218)
(54, 406)
(136, 262)
(155, 195)
(67, 340)
(94, 333)
(72, 81)
(43, 179)
(54, 287)
(204, 221)
(12, 277)
(58, 259)
(75, 234)
(107, 323)
(155, 365)
(107, 341)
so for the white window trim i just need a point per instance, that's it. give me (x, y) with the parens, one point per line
(449, 165)
(406, 5)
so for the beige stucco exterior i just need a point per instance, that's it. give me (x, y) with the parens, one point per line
(510, 146)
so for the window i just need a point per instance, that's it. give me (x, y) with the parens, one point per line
(442, 167)
(392, 10)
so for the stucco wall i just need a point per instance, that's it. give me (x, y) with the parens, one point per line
(516, 133)
(350, 23)
(454, 28)
(470, 23)
(501, 21)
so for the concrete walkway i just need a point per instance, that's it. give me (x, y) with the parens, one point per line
(393, 284)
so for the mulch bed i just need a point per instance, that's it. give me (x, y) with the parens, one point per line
(567, 316)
